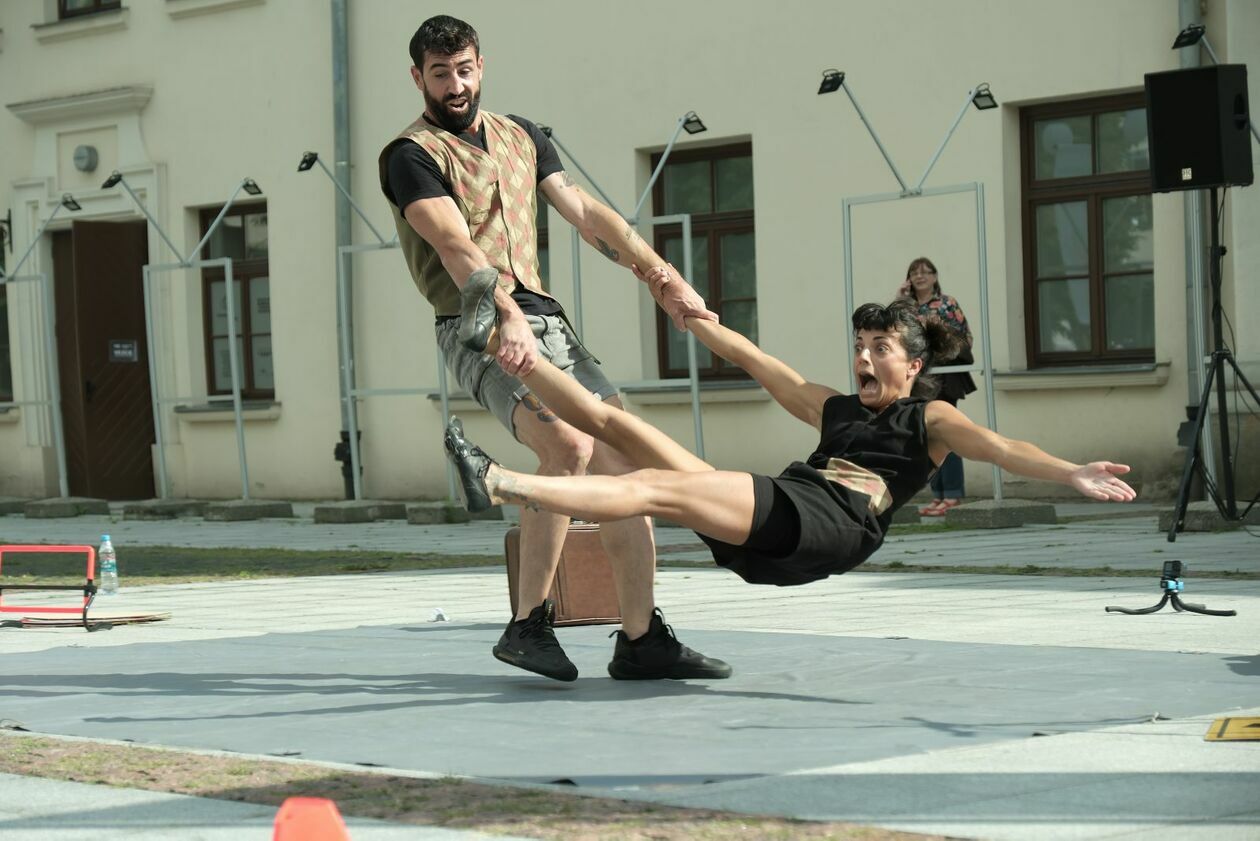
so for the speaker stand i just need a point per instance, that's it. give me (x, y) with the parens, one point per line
(1221, 356)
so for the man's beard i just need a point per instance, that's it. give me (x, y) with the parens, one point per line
(449, 120)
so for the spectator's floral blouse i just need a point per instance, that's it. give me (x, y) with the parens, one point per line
(946, 308)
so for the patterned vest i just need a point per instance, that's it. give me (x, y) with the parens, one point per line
(496, 193)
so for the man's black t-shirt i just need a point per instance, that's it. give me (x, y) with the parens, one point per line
(414, 175)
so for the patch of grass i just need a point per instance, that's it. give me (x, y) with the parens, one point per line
(445, 802)
(141, 565)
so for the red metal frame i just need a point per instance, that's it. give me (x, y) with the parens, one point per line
(88, 589)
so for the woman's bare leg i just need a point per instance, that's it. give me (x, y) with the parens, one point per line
(717, 503)
(643, 444)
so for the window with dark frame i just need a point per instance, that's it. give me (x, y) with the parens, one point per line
(78, 8)
(715, 186)
(242, 235)
(1089, 291)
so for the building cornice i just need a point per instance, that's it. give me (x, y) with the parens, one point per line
(112, 101)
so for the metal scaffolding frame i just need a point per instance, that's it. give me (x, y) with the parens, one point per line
(692, 124)
(234, 362)
(52, 375)
(833, 80)
(351, 394)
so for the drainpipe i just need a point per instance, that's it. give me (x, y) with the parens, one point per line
(341, 172)
(1196, 344)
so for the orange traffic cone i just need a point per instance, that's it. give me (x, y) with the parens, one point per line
(309, 819)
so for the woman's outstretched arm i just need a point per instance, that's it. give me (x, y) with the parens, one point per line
(789, 389)
(803, 399)
(949, 429)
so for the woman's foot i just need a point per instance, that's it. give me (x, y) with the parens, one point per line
(939, 507)
(478, 314)
(472, 464)
(930, 509)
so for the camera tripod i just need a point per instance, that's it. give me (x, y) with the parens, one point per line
(1171, 584)
(1221, 356)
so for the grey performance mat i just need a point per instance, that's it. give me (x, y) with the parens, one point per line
(431, 698)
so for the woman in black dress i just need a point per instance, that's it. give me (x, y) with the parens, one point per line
(821, 517)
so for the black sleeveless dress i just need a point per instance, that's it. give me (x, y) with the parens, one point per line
(834, 528)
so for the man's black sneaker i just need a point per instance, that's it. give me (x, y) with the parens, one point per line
(659, 655)
(531, 644)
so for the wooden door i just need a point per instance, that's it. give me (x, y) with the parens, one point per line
(103, 359)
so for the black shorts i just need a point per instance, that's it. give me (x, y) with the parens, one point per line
(805, 528)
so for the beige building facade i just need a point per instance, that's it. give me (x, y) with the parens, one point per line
(186, 98)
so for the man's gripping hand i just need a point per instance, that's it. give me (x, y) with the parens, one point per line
(674, 295)
(518, 351)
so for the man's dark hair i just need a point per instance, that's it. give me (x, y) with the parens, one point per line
(925, 339)
(442, 35)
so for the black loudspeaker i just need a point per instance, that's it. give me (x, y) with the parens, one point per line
(1197, 126)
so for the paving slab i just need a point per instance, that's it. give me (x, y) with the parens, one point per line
(237, 510)
(67, 506)
(1001, 514)
(12, 505)
(437, 513)
(164, 509)
(359, 511)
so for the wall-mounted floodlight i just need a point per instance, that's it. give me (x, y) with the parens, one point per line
(831, 81)
(689, 122)
(309, 160)
(983, 98)
(251, 187)
(68, 202)
(115, 178)
(1193, 34)
(1189, 36)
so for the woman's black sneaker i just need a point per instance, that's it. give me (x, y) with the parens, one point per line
(658, 655)
(531, 644)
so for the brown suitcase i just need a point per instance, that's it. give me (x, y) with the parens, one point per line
(583, 589)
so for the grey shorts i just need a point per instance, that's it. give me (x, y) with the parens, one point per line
(499, 392)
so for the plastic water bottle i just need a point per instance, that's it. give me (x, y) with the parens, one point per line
(109, 566)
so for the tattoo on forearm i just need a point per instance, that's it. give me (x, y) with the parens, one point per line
(608, 251)
(632, 235)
